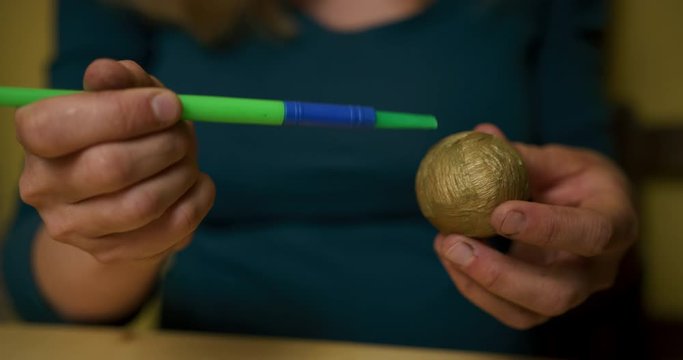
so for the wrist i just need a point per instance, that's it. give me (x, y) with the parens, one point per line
(80, 288)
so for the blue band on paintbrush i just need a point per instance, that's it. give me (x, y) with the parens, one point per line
(310, 114)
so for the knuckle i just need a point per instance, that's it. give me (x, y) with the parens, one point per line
(604, 284)
(187, 219)
(131, 65)
(601, 233)
(60, 230)
(210, 186)
(107, 256)
(127, 119)
(182, 244)
(194, 174)
(33, 130)
(95, 71)
(524, 321)
(551, 233)
(29, 191)
(561, 300)
(129, 110)
(606, 280)
(191, 174)
(110, 168)
(492, 277)
(554, 150)
(466, 286)
(28, 131)
(143, 207)
(190, 138)
(174, 144)
(21, 122)
(138, 75)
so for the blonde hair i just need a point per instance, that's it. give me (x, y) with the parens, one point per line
(215, 21)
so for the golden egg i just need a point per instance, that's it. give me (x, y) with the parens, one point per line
(464, 177)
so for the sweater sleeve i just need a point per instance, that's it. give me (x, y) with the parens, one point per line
(569, 81)
(86, 30)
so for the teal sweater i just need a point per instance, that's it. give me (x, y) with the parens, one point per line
(315, 233)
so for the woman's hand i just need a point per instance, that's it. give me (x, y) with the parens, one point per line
(113, 171)
(566, 245)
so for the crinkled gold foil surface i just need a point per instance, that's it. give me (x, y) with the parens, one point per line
(464, 177)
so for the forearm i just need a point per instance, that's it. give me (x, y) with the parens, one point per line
(80, 288)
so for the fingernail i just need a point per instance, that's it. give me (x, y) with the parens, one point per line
(166, 107)
(460, 253)
(513, 222)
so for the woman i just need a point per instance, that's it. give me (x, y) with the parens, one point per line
(313, 232)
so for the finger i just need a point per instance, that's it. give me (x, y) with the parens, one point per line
(31, 188)
(551, 164)
(504, 311)
(542, 290)
(105, 168)
(123, 211)
(583, 179)
(182, 244)
(171, 232)
(59, 126)
(145, 79)
(599, 271)
(581, 231)
(490, 129)
(107, 74)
